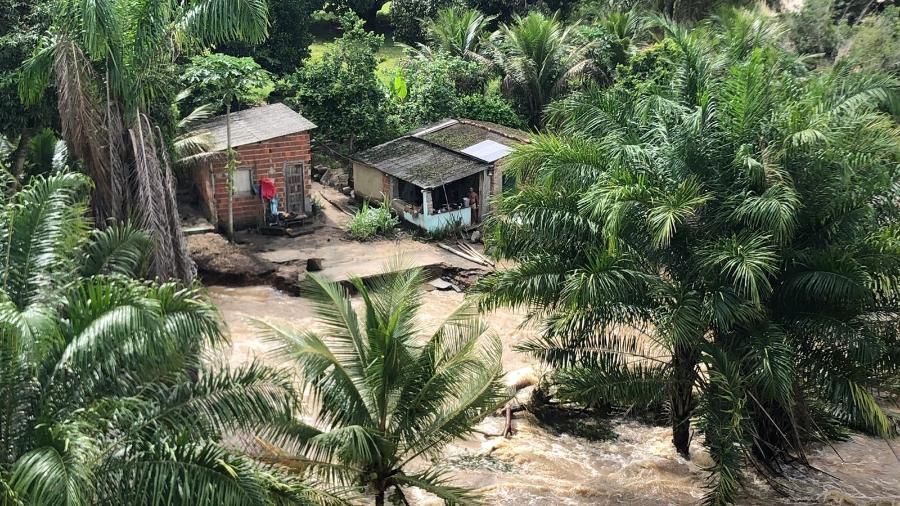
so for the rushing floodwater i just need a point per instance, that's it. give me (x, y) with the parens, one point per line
(537, 467)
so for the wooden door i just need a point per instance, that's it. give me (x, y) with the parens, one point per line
(294, 196)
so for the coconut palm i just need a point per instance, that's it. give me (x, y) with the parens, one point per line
(539, 58)
(725, 247)
(387, 395)
(106, 396)
(112, 65)
(458, 32)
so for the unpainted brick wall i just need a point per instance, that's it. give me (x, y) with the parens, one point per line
(265, 159)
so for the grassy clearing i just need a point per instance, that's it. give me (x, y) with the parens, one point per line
(391, 54)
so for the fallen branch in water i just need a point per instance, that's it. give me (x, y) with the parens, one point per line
(486, 434)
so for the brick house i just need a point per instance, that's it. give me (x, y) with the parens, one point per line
(427, 173)
(270, 141)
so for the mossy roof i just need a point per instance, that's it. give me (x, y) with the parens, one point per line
(432, 155)
(459, 136)
(420, 162)
(254, 125)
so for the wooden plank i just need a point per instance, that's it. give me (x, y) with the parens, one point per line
(199, 229)
(470, 250)
(460, 254)
(336, 205)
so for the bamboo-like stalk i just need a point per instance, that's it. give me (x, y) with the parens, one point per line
(229, 169)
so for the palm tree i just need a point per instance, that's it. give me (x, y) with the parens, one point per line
(190, 144)
(388, 395)
(726, 246)
(46, 154)
(458, 32)
(539, 58)
(106, 395)
(112, 66)
(627, 29)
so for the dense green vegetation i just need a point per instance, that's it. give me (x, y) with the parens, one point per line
(704, 226)
(111, 65)
(106, 396)
(721, 243)
(370, 222)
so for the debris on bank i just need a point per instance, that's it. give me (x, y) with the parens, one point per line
(216, 258)
(220, 262)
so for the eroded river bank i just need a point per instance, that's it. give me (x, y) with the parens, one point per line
(538, 466)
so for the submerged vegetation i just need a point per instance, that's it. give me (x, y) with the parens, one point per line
(704, 226)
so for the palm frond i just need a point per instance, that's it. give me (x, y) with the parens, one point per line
(436, 483)
(116, 249)
(213, 22)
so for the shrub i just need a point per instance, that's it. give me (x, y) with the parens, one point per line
(407, 17)
(650, 68)
(340, 92)
(875, 43)
(812, 30)
(317, 205)
(443, 86)
(369, 222)
(490, 107)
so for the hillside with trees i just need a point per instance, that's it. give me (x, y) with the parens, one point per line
(704, 230)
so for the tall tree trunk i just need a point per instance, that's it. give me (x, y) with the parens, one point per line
(230, 171)
(684, 363)
(379, 498)
(21, 153)
(186, 270)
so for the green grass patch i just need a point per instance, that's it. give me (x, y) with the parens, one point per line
(390, 55)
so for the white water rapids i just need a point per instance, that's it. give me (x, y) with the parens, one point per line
(538, 467)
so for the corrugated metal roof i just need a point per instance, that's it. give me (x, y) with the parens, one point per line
(488, 150)
(420, 162)
(254, 125)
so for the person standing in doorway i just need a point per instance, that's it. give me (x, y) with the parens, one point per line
(473, 203)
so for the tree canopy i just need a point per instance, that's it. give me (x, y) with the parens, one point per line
(107, 398)
(214, 78)
(723, 243)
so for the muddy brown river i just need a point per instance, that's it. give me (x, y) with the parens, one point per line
(540, 467)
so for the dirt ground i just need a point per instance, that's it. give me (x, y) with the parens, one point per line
(281, 260)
